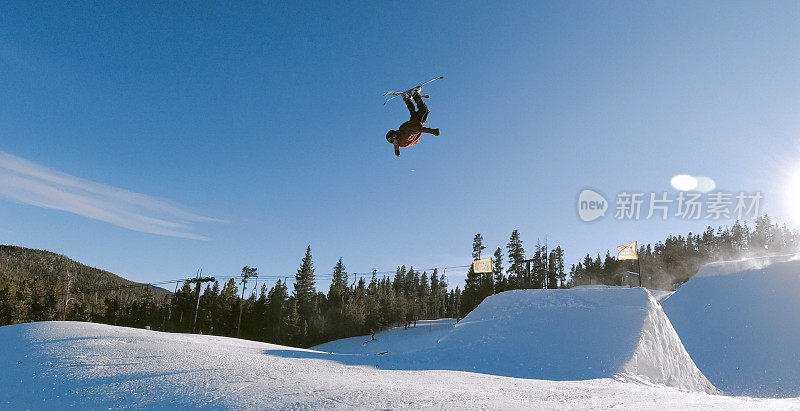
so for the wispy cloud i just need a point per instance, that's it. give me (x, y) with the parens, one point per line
(30, 183)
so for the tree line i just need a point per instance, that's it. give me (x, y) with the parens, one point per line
(668, 264)
(305, 316)
(302, 317)
(544, 270)
(297, 313)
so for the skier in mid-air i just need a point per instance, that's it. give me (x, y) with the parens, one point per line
(411, 131)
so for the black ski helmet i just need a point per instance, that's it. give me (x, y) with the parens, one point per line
(391, 136)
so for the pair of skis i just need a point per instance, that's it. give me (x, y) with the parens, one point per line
(409, 93)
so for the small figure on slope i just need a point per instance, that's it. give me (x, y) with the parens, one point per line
(411, 131)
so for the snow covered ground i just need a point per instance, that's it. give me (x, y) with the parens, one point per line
(740, 321)
(397, 340)
(588, 348)
(75, 365)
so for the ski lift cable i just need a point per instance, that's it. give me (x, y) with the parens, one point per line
(227, 277)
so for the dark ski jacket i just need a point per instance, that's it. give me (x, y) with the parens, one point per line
(409, 133)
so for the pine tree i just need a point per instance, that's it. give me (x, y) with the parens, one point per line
(470, 295)
(247, 272)
(500, 282)
(477, 246)
(276, 305)
(516, 257)
(457, 304)
(560, 273)
(399, 283)
(305, 292)
(373, 283)
(552, 271)
(338, 285)
(228, 305)
(443, 295)
(293, 324)
(486, 286)
(610, 272)
(435, 300)
(214, 314)
(423, 296)
(538, 269)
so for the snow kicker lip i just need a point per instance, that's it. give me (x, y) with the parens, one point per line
(661, 358)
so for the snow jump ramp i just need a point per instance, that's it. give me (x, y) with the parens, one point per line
(740, 321)
(577, 334)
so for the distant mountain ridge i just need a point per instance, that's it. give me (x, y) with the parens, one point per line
(20, 263)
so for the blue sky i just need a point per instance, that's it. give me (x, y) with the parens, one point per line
(258, 128)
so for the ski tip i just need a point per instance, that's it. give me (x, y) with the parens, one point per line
(441, 77)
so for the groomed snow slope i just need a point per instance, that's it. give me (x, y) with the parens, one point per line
(740, 321)
(577, 334)
(71, 365)
(397, 340)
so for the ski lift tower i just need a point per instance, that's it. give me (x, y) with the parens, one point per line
(247, 272)
(199, 281)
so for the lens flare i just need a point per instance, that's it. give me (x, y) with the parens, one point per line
(684, 182)
(705, 184)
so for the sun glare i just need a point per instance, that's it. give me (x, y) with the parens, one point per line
(792, 197)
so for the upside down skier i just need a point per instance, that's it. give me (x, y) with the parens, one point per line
(411, 131)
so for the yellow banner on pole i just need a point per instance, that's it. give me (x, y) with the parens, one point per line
(628, 251)
(484, 265)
